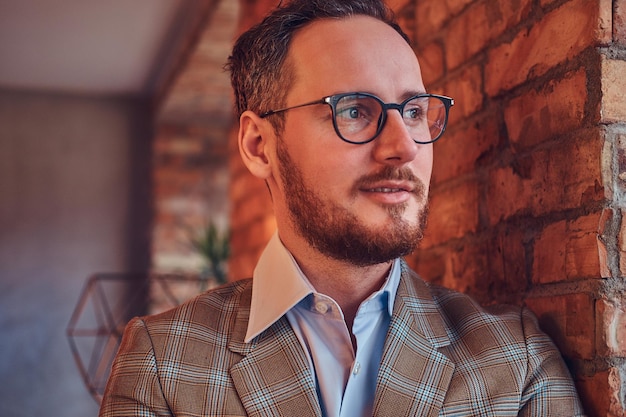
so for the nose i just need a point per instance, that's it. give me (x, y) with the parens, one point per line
(394, 145)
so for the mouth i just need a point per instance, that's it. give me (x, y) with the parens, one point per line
(391, 186)
(387, 189)
(390, 193)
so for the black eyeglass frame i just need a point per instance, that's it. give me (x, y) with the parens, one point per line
(334, 99)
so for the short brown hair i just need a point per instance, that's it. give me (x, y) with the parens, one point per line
(260, 77)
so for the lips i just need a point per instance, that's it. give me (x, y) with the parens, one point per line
(388, 187)
(385, 190)
(390, 181)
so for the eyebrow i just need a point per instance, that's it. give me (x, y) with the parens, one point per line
(411, 93)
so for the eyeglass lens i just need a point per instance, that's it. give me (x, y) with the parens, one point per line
(359, 118)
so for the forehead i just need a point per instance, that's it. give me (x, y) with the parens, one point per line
(358, 53)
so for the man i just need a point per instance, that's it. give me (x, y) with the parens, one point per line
(335, 118)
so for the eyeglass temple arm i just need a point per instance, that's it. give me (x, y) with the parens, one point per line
(311, 103)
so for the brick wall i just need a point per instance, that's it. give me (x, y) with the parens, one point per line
(527, 196)
(193, 118)
(190, 180)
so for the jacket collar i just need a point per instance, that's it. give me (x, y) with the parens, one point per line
(414, 374)
(274, 374)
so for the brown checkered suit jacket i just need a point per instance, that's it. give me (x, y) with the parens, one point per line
(444, 356)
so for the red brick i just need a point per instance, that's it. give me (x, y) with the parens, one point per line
(601, 393)
(243, 184)
(397, 4)
(619, 21)
(567, 250)
(616, 392)
(507, 194)
(430, 16)
(252, 234)
(611, 328)
(546, 182)
(507, 265)
(453, 213)
(430, 264)
(617, 138)
(462, 268)
(497, 277)
(405, 16)
(613, 90)
(241, 265)
(595, 393)
(605, 225)
(479, 24)
(431, 62)
(549, 254)
(540, 115)
(570, 322)
(582, 258)
(252, 11)
(457, 152)
(560, 35)
(621, 239)
(177, 144)
(467, 90)
(569, 175)
(467, 271)
(247, 243)
(257, 204)
(455, 6)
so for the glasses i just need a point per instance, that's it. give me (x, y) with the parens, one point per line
(360, 117)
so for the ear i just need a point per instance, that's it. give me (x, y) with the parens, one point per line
(253, 144)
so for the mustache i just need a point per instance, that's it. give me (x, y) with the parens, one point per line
(394, 174)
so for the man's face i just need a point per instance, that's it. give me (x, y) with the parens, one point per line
(366, 203)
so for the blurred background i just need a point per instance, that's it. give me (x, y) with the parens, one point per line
(85, 89)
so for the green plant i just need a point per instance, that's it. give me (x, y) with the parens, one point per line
(215, 249)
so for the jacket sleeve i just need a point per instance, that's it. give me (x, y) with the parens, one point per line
(548, 390)
(134, 387)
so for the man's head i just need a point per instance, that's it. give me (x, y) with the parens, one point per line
(359, 203)
(260, 77)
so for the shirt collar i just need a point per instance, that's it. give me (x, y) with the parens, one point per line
(275, 273)
(278, 273)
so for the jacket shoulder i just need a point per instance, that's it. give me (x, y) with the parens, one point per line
(212, 314)
(167, 358)
(500, 352)
(462, 314)
(461, 311)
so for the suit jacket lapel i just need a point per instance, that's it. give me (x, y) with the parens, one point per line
(273, 378)
(414, 375)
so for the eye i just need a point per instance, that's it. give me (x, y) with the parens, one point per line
(353, 112)
(413, 112)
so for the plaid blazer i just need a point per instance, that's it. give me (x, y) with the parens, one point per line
(444, 356)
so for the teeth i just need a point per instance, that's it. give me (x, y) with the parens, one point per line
(386, 190)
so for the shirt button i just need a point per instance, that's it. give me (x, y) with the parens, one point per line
(321, 308)
(356, 369)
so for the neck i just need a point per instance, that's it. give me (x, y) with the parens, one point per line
(349, 285)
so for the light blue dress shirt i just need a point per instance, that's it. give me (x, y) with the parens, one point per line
(346, 380)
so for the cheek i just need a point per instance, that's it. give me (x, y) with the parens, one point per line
(327, 175)
(328, 164)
